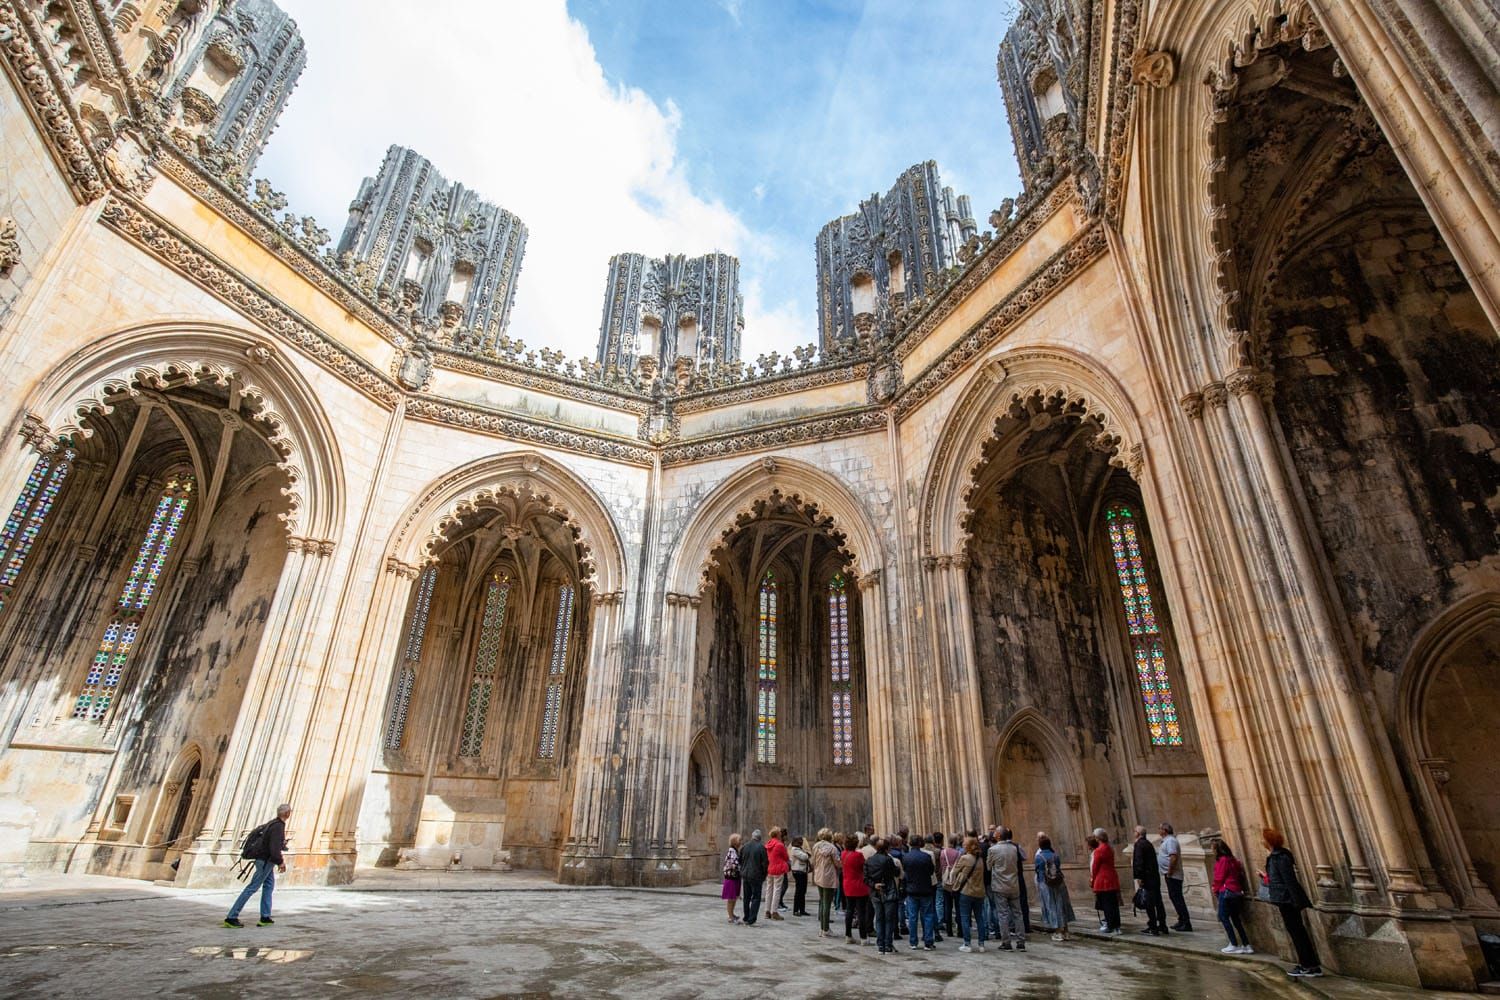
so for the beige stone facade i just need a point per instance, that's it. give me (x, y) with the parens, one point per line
(478, 610)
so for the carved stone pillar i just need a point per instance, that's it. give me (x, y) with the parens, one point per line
(672, 730)
(329, 785)
(884, 727)
(586, 855)
(1331, 679)
(269, 729)
(968, 800)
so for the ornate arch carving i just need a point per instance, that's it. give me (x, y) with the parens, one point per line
(1027, 378)
(470, 487)
(720, 512)
(139, 360)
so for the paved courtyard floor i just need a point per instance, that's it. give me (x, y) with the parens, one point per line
(518, 936)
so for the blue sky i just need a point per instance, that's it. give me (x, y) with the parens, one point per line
(651, 125)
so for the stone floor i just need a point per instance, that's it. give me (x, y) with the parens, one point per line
(494, 936)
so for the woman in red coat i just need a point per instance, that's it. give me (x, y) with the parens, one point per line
(856, 893)
(780, 864)
(1105, 881)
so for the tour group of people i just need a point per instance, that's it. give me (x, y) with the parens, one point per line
(920, 886)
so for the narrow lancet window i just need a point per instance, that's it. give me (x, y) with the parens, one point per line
(1146, 645)
(411, 655)
(552, 711)
(29, 514)
(486, 653)
(765, 689)
(113, 655)
(838, 644)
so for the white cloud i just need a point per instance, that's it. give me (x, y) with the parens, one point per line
(732, 8)
(516, 106)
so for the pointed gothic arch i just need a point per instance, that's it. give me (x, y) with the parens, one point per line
(1038, 783)
(1005, 379)
(736, 495)
(130, 361)
(1445, 683)
(445, 501)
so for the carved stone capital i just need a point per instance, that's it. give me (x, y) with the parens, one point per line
(1215, 395)
(868, 580)
(608, 598)
(929, 563)
(1240, 381)
(319, 547)
(10, 246)
(1153, 69)
(1192, 405)
(401, 569)
(37, 434)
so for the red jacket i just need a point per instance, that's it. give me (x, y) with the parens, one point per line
(854, 874)
(776, 851)
(1229, 874)
(1102, 874)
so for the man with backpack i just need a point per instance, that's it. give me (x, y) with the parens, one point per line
(264, 847)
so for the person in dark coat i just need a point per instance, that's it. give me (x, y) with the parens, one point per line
(754, 864)
(1288, 896)
(920, 877)
(883, 876)
(269, 859)
(1147, 875)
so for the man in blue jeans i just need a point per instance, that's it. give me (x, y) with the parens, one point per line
(268, 861)
(918, 871)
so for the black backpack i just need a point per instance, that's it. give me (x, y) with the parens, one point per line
(1052, 870)
(255, 844)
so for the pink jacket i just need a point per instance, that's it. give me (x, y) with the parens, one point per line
(1229, 874)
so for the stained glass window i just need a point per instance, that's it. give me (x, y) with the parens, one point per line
(29, 514)
(411, 655)
(765, 687)
(1145, 636)
(482, 684)
(108, 666)
(552, 711)
(838, 644)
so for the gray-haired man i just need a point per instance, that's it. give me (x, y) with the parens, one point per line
(266, 851)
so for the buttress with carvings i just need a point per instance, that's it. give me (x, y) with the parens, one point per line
(1170, 491)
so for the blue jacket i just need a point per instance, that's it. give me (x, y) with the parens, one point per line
(918, 868)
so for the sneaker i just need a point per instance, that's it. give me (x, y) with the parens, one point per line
(1058, 937)
(265, 922)
(1312, 973)
(848, 939)
(1182, 928)
(1245, 949)
(1230, 949)
(1020, 946)
(1103, 927)
(1116, 932)
(232, 922)
(929, 947)
(965, 949)
(979, 947)
(1005, 946)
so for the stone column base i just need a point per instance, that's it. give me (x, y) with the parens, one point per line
(1432, 950)
(661, 871)
(210, 869)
